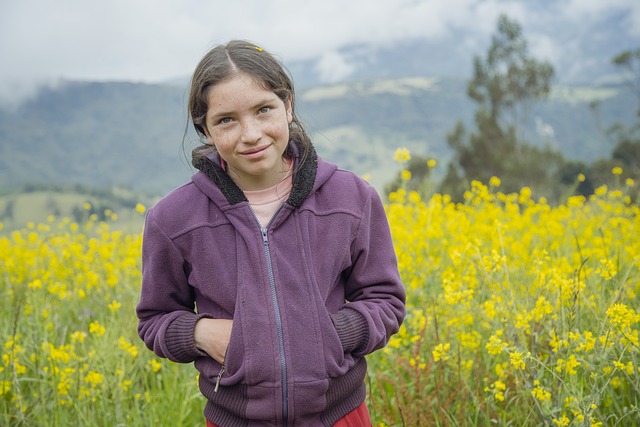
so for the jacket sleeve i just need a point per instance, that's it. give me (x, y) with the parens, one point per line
(374, 291)
(166, 308)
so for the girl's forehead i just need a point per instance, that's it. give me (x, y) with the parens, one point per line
(238, 83)
(238, 92)
(243, 78)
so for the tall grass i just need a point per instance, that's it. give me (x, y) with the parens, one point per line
(519, 314)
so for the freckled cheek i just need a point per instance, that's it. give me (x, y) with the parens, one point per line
(223, 143)
(226, 137)
(278, 130)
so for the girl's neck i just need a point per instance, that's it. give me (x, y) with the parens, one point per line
(256, 183)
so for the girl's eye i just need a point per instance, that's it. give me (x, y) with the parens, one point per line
(225, 120)
(264, 110)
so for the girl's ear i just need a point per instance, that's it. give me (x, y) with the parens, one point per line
(289, 107)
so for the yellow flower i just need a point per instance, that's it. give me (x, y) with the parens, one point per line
(622, 316)
(494, 181)
(405, 175)
(568, 365)
(414, 197)
(125, 385)
(517, 360)
(154, 365)
(35, 284)
(616, 170)
(96, 328)
(594, 422)
(540, 393)
(140, 208)
(563, 421)
(440, 352)
(5, 387)
(402, 155)
(125, 345)
(576, 201)
(78, 336)
(495, 345)
(114, 306)
(94, 378)
(601, 191)
(498, 388)
(432, 163)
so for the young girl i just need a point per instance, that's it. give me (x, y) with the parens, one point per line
(272, 269)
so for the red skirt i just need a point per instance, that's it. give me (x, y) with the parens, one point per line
(359, 417)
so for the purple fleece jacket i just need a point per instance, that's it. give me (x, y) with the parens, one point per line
(310, 295)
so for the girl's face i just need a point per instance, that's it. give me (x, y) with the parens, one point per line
(249, 127)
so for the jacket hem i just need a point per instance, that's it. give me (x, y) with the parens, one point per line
(227, 406)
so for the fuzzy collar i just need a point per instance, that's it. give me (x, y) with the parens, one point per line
(304, 175)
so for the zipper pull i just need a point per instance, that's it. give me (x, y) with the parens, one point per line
(215, 389)
(265, 237)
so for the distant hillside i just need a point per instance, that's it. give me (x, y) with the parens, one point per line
(127, 134)
(116, 206)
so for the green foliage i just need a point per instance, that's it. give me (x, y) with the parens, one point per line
(125, 134)
(505, 84)
(39, 203)
(629, 62)
(417, 177)
(507, 78)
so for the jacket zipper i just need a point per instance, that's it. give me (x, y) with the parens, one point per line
(278, 319)
(215, 389)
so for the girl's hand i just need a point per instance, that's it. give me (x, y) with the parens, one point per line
(212, 336)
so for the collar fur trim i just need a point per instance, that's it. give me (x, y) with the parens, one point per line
(304, 174)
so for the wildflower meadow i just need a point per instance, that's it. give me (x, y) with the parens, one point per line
(519, 314)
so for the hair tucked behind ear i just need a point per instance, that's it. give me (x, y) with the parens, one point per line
(224, 61)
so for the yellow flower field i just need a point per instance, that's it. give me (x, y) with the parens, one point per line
(519, 313)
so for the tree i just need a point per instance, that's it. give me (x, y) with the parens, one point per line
(628, 62)
(627, 149)
(505, 84)
(419, 177)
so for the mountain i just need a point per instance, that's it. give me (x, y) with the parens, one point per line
(579, 44)
(136, 135)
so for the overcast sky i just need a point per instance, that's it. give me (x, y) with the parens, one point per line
(155, 40)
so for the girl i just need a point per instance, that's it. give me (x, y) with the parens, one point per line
(272, 269)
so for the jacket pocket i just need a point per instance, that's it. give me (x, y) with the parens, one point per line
(252, 348)
(234, 363)
(337, 362)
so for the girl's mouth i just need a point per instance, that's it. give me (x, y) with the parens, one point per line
(254, 151)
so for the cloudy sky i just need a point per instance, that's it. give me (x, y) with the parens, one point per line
(155, 40)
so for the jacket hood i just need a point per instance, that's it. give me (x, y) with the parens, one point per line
(307, 176)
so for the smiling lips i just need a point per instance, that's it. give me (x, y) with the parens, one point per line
(254, 151)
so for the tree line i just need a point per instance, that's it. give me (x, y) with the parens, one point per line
(506, 83)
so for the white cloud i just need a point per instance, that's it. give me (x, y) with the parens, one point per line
(153, 40)
(332, 67)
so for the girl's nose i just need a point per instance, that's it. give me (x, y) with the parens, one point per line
(251, 131)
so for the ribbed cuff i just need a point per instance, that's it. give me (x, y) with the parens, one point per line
(179, 338)
(352, 329)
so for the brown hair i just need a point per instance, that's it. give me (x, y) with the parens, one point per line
(224, 61)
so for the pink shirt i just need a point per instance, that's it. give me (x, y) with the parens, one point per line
(266, 202)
